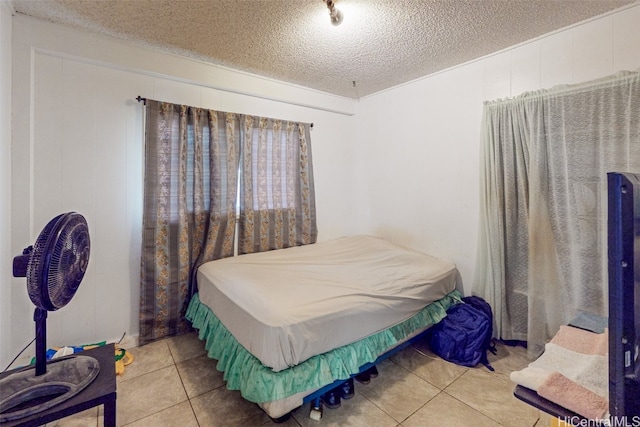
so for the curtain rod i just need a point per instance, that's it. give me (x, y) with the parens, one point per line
(144, 101)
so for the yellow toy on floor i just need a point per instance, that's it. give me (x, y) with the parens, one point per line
(123, 358)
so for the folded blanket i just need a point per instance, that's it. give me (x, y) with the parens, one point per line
(582, 341)
(529, 377)
(572, 372)
(588, 370)
(561, 390)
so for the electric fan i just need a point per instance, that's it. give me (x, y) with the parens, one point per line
(54, 267)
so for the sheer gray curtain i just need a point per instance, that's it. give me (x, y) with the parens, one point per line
(542, 237)
(192, 165)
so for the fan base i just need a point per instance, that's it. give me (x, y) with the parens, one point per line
(23, 394)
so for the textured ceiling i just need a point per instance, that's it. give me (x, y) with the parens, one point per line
(380, 44)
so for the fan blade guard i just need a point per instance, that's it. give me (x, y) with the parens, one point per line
(59, 261)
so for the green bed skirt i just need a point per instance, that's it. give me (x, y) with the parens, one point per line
(258, 383)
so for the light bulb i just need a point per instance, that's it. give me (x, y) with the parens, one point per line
(336, 16)
(334, 13)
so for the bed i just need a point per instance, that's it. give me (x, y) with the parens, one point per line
(285, 324)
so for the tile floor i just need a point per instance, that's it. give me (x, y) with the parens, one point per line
(173, 383)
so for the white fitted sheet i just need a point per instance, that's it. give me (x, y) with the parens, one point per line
(287, 305)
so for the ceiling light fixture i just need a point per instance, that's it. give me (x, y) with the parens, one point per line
(334, 13)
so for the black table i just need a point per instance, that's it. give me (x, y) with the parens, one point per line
(534, 399)
(101, 391)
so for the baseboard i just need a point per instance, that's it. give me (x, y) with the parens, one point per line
(129, 341)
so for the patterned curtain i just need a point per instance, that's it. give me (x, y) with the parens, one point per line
(192, 164)
(542, 253)
(190, 192)
(277, 201)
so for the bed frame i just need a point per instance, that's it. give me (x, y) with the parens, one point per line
(315, 398)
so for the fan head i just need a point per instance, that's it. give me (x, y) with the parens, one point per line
(58, 261)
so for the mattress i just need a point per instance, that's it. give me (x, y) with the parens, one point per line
(287, 305)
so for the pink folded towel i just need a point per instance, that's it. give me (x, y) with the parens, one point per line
(561, 390)
(582, 341)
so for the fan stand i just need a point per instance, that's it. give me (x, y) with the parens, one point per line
(23, 394)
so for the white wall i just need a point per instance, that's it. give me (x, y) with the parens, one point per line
(5, 184)
(418, 170)
(78, 145)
